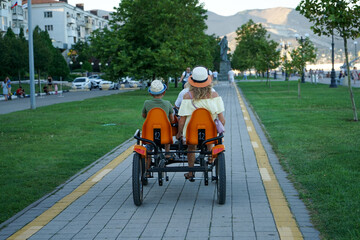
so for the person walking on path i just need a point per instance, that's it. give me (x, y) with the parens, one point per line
(231, 75)
(5, 89)
(200, 95)
(215, 75)
(355, 75)
(8, 84)
(185, 76)
(245, 76)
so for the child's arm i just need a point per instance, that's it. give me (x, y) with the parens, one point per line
(171, 117)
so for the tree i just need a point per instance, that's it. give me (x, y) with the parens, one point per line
(268, 57)
(306, 52)
(158, 38)
(254, 48)
(42, 52)
(343, 16)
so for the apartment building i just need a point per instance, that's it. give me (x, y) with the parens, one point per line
(66, 24)
(13, 15)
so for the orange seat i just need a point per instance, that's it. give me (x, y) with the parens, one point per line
(200, 128)
(157, 127)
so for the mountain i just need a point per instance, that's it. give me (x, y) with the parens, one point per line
(281, 23)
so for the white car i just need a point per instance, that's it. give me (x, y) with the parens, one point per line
(95, 81)
(133, 83)
(108, 85)
(81, 83)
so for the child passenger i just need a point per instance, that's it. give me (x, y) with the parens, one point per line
(157, 91)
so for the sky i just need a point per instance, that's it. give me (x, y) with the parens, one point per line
(221, 7)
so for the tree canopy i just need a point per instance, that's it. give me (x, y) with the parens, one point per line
(150, 39)
(254, 48)
(343, 16)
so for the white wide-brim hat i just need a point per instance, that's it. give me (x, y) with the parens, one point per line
(200, 77)
(157, 87)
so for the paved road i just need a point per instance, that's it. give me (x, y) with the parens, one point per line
(24, 103)
(97, 203)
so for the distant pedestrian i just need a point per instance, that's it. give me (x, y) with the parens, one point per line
(231, 75)
(50, 83)
(215, 75)
(56, 88)
(185, 76)
(245, 75)
(8, 84)
(5, 89)
(355, 75)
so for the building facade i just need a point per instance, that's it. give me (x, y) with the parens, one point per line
(66, 24)
(13, 14)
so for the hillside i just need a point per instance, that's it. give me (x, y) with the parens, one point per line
(281, 23)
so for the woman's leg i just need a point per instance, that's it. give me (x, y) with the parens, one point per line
(191, 159)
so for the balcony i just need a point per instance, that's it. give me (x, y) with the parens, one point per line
(4, 12)
(80, 22)
(17, 17)
(72, 33)
(88, 25)
(71, 21)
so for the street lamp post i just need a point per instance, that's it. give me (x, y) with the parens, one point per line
(71, 63)
(333, 81)
(285, 46)
(92, 68)
(302, 54)
(100, 67)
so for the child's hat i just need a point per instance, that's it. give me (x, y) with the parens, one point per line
(157, 87)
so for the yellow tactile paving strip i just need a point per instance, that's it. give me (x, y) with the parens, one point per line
(39, 222)
(285, 222)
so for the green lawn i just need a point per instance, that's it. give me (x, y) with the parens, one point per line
(319, 145)
(42, 148)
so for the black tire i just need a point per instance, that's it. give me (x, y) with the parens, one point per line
(137, 176)
(144, 178)
(221, 178)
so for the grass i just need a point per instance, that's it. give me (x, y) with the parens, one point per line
(42, 148)
(319, 145)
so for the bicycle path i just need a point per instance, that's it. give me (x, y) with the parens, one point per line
(24, 103)
(97, 203)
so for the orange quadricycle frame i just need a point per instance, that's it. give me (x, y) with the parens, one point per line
(150, 158)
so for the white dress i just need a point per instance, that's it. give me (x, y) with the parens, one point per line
(5, 89)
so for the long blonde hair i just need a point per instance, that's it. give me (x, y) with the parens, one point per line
(201, 93)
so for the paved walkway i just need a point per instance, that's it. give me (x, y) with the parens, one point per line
(24, 103)
(97, 203)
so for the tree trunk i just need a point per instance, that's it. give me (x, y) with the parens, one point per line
(349, 81)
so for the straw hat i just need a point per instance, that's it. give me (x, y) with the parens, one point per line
(200, 77)
(157, 87)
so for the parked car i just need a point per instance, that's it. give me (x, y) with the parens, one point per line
(133, 83)
(95, 81)
(108, 85)
(81, 83)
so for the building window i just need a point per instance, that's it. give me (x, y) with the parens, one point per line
(49, 28)
(47, 14)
